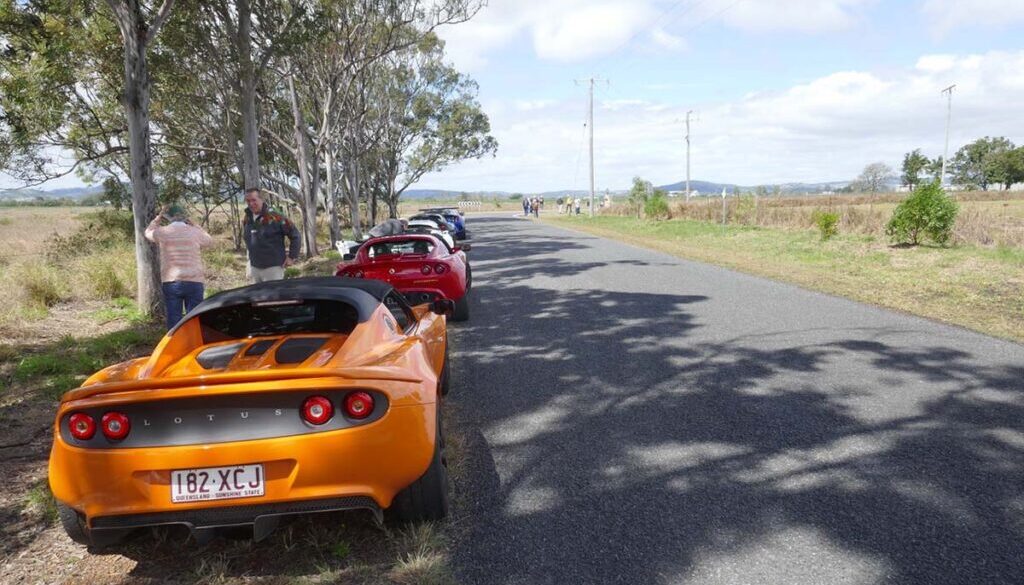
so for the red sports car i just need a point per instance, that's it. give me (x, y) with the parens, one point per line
(420, 266)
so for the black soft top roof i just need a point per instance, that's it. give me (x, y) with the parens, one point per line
(365, 295)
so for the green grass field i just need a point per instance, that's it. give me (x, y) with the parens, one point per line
(975, 287)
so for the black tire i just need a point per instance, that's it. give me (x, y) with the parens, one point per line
(74, 524)
(426, 498)
(462, 308)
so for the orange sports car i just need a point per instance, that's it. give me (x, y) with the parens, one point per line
(277, 399)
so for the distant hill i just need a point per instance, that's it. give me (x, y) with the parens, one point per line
(450, 195)
(75, 193)
(708, 187)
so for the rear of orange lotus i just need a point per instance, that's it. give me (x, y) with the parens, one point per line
(244, 432)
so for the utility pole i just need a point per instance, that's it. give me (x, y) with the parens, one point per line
(949, 117)
(688, 154)
(590, 125)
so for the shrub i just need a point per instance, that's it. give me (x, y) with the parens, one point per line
(103, 229)
(105, 282)
(926, 213)
(41, 285)
(827, 222)
(656, 206)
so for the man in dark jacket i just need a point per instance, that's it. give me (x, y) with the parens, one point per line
(264, 231)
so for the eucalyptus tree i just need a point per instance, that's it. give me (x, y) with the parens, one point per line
(60, 80)
(324, 91)
(60, 92)
(427, 117)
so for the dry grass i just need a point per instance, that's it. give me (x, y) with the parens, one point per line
(973, 286)
(985, 219)
(423, 560)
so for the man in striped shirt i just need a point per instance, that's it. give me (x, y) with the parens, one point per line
(181, 266)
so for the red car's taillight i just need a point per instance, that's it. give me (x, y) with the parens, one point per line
(81, 426)
(357, 274)
(359, 405)
(317, 410)
(440, 269)
(425, 269)
(115, 426)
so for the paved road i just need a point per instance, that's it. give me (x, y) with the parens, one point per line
(635, 418)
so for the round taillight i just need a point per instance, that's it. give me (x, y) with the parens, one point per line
(425, 269)
(440, 269)
(317, 410)
(115, 426)
(357, 274)
(359, 405)
(81, 426)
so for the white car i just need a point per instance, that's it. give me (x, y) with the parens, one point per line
(428, 226)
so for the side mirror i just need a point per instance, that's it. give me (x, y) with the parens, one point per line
(465, 247)
(444, 307)
(348, 257)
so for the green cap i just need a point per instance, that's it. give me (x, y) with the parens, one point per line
(176, 212)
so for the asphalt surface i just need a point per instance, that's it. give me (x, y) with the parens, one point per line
(636, 418)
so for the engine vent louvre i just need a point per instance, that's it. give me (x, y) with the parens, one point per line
(298, 350)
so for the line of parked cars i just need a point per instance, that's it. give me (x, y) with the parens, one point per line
(275, 400)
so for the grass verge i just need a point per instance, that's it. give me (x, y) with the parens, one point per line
(975, 287)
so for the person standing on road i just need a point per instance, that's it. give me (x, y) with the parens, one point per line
(264, 231)
(577, 205)
(536, 207)
(526, 206)
(181, 265)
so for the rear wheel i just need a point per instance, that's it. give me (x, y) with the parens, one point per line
(469, 278)
(427, 497)
(74, 524)
(461, 308)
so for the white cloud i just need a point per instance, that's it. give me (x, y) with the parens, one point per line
(574, 30)
(807, 16)
(826, 129)
(945, 15)
(561, 30)
(667, 40)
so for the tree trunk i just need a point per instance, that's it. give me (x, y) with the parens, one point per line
(331, 201)
(373, 207)
(247, 83)
(135, 33)
(307, 197)
(353, 191)
(392, 197)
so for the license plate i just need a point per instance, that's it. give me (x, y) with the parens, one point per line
(216, 483)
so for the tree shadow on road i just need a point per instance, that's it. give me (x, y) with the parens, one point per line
(619, 447)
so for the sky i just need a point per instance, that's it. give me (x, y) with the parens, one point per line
(780, 90)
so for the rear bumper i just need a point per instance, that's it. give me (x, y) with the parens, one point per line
(262, 517)
(360, 467)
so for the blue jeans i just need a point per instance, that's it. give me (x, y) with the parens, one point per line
(179, 294)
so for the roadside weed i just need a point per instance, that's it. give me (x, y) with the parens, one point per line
(40, 502)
